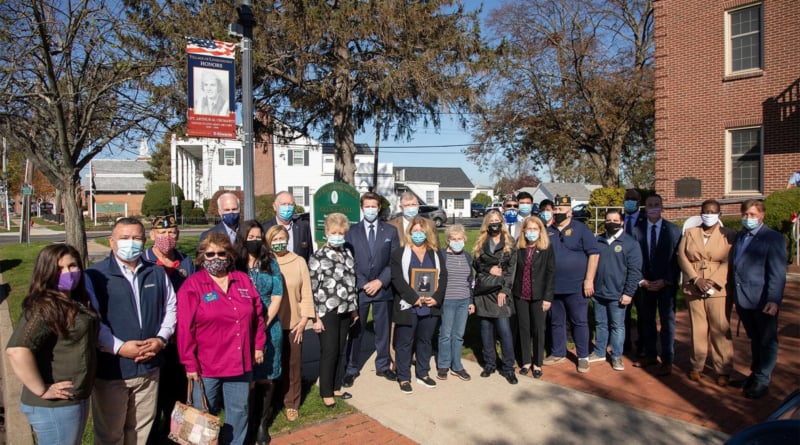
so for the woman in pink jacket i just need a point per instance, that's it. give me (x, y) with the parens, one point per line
(220, 333)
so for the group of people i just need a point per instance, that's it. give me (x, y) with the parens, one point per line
(134, 329)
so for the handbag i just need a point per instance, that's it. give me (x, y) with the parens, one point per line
(191, 426)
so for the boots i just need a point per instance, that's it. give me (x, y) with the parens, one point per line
(265, 413)
(254, 402)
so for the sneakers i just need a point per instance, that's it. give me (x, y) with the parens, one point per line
(596, 358)
(405, 388)
(616, 364)
(550, 360)
(441, 373)
(463, 375)
(427, 381)
(292, 414)
(583, 365)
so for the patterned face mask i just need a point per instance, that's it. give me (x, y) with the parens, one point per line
(165, 244)
(215, 266)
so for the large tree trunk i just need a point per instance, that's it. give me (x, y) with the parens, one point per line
(344, 131)
(74, 226)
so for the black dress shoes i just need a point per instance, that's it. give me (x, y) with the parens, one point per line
(745, 383)
(537, 373)
(512, 379)
(388, 375)
(487, 372)
(344, 396)
(756, 391)
(349, 380)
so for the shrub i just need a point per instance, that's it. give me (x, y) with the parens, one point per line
(158, 198)
(187, 205)
(483, 198)
(733, 223)
(264, 210)
(205, 205)
(780, 205)
(605, 197)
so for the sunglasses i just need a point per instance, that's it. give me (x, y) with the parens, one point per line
(221, 254)
(512, 206)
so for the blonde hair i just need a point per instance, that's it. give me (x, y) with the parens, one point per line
(508, 242)
(455, 229)
(544, 240)
(430, 234)
(336, 220)
(274, 230)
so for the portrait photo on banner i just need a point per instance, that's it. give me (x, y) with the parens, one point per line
(211, 92)
(424, 281)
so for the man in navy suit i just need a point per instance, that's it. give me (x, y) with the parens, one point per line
(372, 242)
(228, 210)
(632, 218)
(300, 241)
(658, 289)
(759, 271)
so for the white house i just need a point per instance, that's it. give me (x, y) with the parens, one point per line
(201, 166)
(447, 187)
(480, 188)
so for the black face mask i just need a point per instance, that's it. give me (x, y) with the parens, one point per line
(493, 228)
(254, 246)
(558, 218)
(612, 227)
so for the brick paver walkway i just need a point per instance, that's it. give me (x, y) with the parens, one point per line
(703, 403)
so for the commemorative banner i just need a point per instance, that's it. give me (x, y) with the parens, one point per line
(212, 111)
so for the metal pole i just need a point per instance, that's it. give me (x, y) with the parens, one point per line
(247, 22)
(5, 186)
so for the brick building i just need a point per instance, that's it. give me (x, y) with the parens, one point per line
(727, 100)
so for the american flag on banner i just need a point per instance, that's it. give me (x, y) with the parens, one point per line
(208, 47)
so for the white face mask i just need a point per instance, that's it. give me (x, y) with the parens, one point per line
(709, 219)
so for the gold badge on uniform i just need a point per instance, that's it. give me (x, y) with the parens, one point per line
(568, 232)
(618, 248)
(182, 272)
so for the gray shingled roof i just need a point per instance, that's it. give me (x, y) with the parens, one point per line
(361, 149)
(120, 175)
(448, 177)
(577, 191)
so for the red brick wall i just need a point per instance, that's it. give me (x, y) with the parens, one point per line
(696, 103)
(263, 170)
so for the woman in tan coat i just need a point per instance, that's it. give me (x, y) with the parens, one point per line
(703, 256)
(297, 308)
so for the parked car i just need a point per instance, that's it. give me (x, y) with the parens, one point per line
(477, 210)
(581, 213)
(496, 206)
(46, 208)
(435, 213)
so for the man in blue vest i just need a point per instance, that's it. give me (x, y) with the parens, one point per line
(136, 304)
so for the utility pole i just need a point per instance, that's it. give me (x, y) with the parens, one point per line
(4, 186)
(244, 29)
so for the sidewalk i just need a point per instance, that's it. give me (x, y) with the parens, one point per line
(633, 406)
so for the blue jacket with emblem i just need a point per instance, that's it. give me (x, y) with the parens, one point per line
(619, 270)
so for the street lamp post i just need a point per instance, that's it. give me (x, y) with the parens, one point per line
(244, 29)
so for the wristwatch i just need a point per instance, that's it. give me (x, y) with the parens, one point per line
(163, 340)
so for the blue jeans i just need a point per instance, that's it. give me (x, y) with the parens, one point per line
(577, 307)
(235, 391)
(610, 317)
(662, 301)
(503, 326)
(61, 425)
(451, 333)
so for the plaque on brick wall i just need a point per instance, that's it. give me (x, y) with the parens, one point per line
(688, 188)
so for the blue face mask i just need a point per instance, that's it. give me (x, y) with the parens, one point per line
(749, 223)
(418, 237)
(336, 240)
(128, 249)
(456, 246)
(231, 220)
(546, 216)
(370, 213)
(511, 216)
(525, 209)
(630, 206)
(285, 212)
(531, 236)
(410, 212)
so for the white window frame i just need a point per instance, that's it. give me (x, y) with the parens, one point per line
(729, 71)
(299, 199)
(729, 161)
(295, 154)
(328, 165)
(430, 197)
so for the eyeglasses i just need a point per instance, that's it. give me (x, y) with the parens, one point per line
(221, 254)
